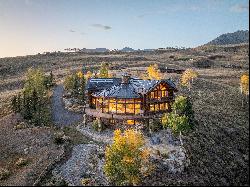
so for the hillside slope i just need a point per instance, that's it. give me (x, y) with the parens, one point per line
(237, 37)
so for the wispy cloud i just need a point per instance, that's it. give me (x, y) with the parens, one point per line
(240, 8)
(77, 32)
(100, 26)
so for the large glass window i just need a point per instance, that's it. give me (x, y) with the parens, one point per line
(120, 108)
(152, 95)
(152, 107)
(132, 122)
(112, 107)
(159, 92)
(164, 93)
(93, 101)
(137, 108)
(98, 103)
(162, 106)
(130, 108)
(156, 107)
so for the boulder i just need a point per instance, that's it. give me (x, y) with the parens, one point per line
(155, 140)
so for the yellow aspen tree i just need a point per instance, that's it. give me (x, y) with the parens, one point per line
(88, 75)
(126, 161)
(187, 78)
(80, 74)
(104, 71)
(154, 72)
(244, 86)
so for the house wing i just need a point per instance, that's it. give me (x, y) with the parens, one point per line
(146, 86)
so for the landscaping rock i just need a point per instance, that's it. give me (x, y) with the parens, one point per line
(163, 146)
(155, 140)
(104, 136)
(84, 164)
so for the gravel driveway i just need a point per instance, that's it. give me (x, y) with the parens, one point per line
(61, 116)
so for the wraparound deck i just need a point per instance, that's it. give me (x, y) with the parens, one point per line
(96, 113)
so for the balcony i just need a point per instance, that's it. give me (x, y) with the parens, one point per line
(97, 113)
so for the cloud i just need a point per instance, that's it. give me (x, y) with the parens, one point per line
(100, 26)
(239, 8)
(71, 30)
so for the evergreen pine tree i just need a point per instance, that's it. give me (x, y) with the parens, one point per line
(51, 79)
(76, 86)
(26, 106)
(82, 89)
(34, 101)
(14, 104)
(19, 103)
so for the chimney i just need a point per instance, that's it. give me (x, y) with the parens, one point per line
(125, 78)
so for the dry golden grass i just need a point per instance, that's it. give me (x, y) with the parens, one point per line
(218, 146)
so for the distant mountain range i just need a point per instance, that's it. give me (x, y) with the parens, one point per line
(127, 49)
(102, 50)
(87, 50)
(237, 37)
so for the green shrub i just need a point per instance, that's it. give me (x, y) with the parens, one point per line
(21, 125)
(69, 82)
(56, 181)
(21, 162)
(75, 84)
(4, 173)
(87, 182)
(49, 80)
(180, 104)
(98, 125)
(59, 138)
(155, 124)
(183, 106)
(176, 122)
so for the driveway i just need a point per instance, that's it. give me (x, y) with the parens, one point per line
(61, 116)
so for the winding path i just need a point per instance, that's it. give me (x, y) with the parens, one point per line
(61, 116)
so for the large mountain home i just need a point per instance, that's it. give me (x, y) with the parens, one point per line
(128, 100)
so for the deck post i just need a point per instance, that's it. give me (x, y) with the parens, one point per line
(125, 106)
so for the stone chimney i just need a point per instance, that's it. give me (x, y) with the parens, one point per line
(125, 78)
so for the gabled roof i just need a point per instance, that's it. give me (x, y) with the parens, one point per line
(96, 84)
(116, 89)
(119, 91)
(145, 86)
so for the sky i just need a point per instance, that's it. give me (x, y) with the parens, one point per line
(36, 26)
